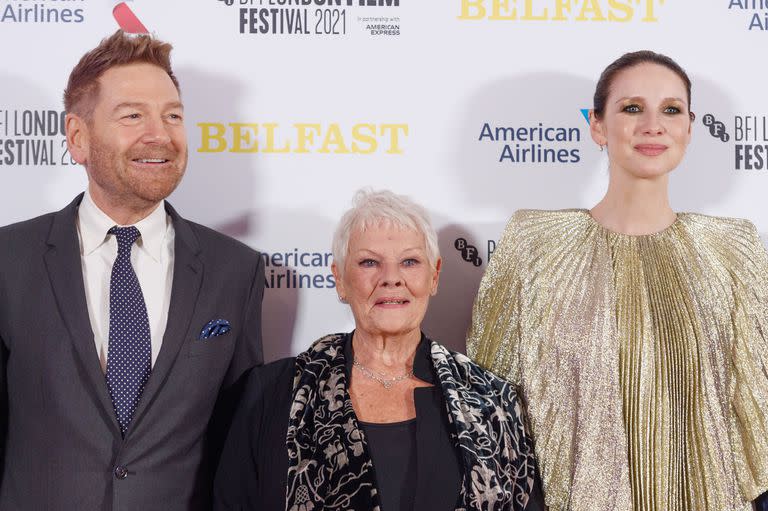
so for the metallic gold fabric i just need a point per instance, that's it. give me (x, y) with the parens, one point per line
(643, 360)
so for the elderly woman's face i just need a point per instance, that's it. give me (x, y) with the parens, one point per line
(387, 280)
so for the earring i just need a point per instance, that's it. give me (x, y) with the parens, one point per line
(601, 147)
(343, 299)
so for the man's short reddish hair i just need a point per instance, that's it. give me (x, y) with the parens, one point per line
(119, 49)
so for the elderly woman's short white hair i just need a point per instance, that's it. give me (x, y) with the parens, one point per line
(376, 208)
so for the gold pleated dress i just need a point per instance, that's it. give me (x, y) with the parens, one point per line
(642, 360)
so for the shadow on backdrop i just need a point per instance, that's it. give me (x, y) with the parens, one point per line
(303, 304)
(450, 311)
(522, 101)
(279, 316)
(220, 188)
(40, 185)
(706, 176)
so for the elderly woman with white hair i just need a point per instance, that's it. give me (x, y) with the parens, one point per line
(381, 418)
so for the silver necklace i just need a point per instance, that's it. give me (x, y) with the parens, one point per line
(381, 377)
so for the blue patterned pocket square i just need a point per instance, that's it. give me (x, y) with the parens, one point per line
(215, 328)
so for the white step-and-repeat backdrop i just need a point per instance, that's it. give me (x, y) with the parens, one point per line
(472, 107)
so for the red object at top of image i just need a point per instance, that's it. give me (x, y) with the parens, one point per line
(127, 19)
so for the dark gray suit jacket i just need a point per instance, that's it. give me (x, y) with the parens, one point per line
(60, 444)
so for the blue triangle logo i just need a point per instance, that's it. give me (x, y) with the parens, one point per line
(585, 113)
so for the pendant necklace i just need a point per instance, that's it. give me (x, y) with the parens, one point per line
(380, 377)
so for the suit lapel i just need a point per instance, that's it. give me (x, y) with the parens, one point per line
(62, 261)
(187, 279)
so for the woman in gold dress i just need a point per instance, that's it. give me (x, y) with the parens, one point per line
(639, 336)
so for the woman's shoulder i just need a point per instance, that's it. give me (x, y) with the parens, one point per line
(732, 225)
(730, 244)
(737, 235)
(275, 373)
(539, 222)
(274, 369)
(270, 379)
(467, 370)
(272, 384)
(547, 216)
(328, 340)
(326, 347)
(532, 232)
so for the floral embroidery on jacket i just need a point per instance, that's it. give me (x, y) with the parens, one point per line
(329, 467)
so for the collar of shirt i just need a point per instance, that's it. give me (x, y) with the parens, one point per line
(94, 224)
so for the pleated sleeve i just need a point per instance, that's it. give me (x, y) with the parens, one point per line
(749, 383)
(493, 340)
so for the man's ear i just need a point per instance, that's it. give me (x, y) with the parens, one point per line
(78, 138)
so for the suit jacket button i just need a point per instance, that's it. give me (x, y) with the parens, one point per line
(121, 472)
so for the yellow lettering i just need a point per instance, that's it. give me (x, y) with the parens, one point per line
(560, 10)
(649, 15)
(394, 138)
(528, 15)
(369, 137)
(591, 6)
(334, 137)
(561, 7)
(305, 136)
(211, 132)
(472, 10)
(498, 6)
(270, 148)
(617, 5)
(242, 134)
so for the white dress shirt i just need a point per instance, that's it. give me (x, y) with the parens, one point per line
(152, 260)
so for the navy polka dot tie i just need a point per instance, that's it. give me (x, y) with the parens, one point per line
(129, 360)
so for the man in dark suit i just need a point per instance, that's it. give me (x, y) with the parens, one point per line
(124, 329)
